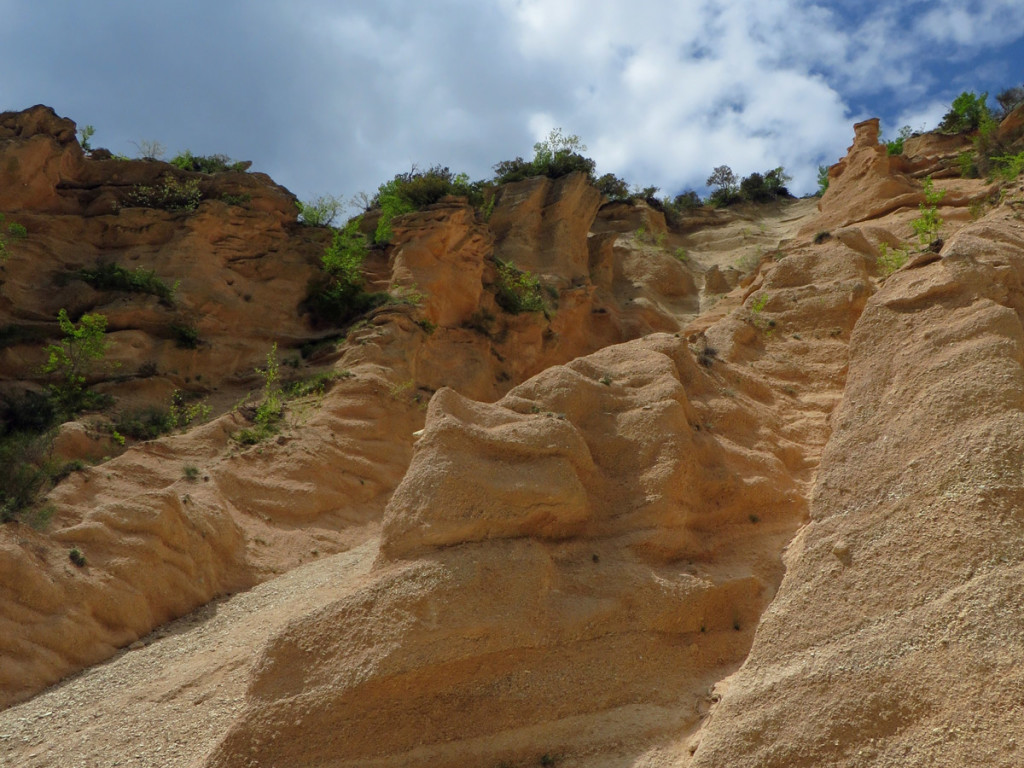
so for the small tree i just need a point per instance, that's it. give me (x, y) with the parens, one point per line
(726, 186)
(321, 211)
(73, 358)
(1010, 99)
(927, 225)
(967, 113)
(85, 135)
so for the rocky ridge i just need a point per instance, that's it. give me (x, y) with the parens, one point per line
(588, 550)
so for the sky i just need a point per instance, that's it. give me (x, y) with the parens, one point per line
(337, 96)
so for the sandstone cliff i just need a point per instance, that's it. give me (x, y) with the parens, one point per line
(681, 518)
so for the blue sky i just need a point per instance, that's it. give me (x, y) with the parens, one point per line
(336, 97)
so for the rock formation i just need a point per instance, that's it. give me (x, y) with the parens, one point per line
(783, 531)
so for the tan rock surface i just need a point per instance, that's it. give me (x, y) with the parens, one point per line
(780, 532)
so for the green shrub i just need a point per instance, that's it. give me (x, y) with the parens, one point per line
(190, 472)
(144, 424)
(895, 147)
(612, 187)
(317, 384)
(185, 335)
(113, 277)
(726, 187)
(1007, 167)
(927, 225)
(557, 156)
(968, 168)
(73, 358)
(271, 408)
(321, 211)
(415, 190)
(766, 187)
(85, 134)
(966, 113)
(517, 290)
(172, 195)
(338, 296)
(890, 261)
(186, 161)
(9, 234)
(77, 558)
(240, 200)
(822, 179)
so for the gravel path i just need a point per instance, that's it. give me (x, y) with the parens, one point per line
(168, 700)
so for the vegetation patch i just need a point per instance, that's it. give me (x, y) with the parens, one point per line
(185, 335)
(70, 361)
(9, 233)
(113, 277)
(320, 211)
(890, 260)
(337, 296)
(172, 195)
(517, 290)
(186, 161)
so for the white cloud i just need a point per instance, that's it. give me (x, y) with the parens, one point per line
(339, 95)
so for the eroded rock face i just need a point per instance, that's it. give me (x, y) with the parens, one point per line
(898, 621)
(779, 534)
(241, 274)
(547, 558)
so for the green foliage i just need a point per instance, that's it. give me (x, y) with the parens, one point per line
(172, 195)
(241, 200)
(317, 384)
(271, 408)
(85, 135)
(415, 190)
(392, 204)
(144, 424)
(24, 472)
(186, 161)
(9, 234)
(927, 225)
(321, 211)
(895, 147)
(558, 155)
(77, 558)
(113, 277)
(968, 168)
(755, 188)
(890, 260)
(726, 187)
(151, 423)
(612, 187)
(766, 187)
(185, 335)
(822, 179)
(73, 358)
(338, 296)
(190, 472)
(966, 113)
(517, 290)
(1008, 167)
